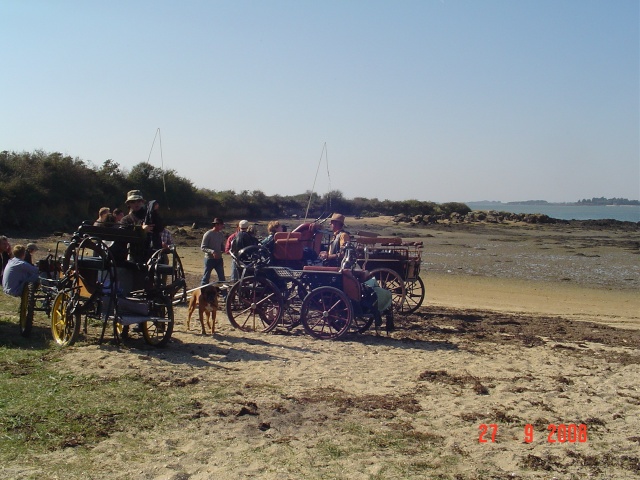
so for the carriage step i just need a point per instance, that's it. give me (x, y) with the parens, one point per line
(132, 319)
(48, 282)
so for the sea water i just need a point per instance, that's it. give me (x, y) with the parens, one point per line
(624, 213)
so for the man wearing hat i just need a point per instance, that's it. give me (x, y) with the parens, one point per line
(137, 212)
(340, 238)
(213, 246)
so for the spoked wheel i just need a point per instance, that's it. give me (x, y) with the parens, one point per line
(166, 269)
(65, 325)
(390, 280)
(254, 304)
(180, 296)
(90, 276)
(362, 323)
(293, 296)
(27, 302)
(158, 329)
(414, 296)
(327, 313)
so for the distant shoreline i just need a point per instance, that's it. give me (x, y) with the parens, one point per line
(565, 211)
(630, 203)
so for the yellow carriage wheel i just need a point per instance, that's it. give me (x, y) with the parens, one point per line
(119, 329)
(65, 326)
(26, 309)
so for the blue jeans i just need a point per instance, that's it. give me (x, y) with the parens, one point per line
(235, 272)
(210, 264)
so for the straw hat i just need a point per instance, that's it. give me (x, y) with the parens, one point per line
(337, 217)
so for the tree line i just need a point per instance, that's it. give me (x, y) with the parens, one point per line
(608, 201)
(49, 191)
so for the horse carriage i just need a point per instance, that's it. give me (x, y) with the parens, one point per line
(291, 287)
(328, 302)
(396, 266)
(109, 276)
(271, 289)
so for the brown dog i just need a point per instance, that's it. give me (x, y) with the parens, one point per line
(206, 299)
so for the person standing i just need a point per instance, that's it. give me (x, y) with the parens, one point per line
(154, 218)
(213, 246)
(166, 238)
(137, 213)
(136, 221)
(243, 238)
(227, 245)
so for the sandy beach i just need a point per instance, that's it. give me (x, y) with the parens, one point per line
(526, 333)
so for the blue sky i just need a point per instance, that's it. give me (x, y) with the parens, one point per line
(435, 100)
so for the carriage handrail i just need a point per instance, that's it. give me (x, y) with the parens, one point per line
(115, 233)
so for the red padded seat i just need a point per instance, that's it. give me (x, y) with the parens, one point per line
(288, 246)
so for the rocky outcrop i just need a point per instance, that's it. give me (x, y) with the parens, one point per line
(490, 216)
(493, 216)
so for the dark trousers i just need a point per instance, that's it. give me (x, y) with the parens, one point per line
(210, 264)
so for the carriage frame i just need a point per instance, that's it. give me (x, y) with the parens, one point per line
(111, 277)
(328, 302)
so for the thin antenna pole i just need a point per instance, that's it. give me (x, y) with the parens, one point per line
(152, 144)
(306, 214)
(164, 185)
(158, 135)
(326, 157)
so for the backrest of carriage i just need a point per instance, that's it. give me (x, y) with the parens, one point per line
(50, 267)
(290, 248)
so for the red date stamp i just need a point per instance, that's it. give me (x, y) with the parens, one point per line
(561, 433)
(491, 430)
